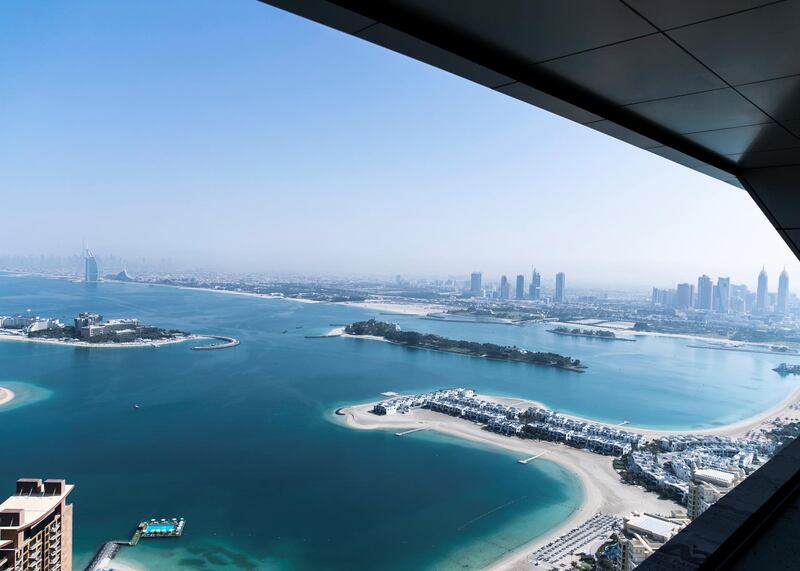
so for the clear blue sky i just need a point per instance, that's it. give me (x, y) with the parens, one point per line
(235, 136)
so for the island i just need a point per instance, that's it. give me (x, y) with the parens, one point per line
(391, 332)
(594, 333)
(88, 329)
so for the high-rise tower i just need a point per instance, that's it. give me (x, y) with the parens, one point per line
(722, 304)
(561, 283)
(704, 291)
(504, 288)
(783, 291)
(36, 527)
(475, 283)
(762, 293)
(90, 266)
(519, 293)
(535, 290)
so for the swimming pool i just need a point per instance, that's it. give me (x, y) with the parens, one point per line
(159, 528)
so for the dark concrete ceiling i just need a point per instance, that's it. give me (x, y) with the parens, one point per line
(711, 84)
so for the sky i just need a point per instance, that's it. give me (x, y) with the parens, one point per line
(233, 136)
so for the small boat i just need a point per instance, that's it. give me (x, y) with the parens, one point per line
(136, 407)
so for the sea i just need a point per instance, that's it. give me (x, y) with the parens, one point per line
(245, 444)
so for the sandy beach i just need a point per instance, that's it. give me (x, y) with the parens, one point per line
(121, 564)
(403, 308)
(6, 396)
(85, 345)
(603, 490)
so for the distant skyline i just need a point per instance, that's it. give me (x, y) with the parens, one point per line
(236, 137)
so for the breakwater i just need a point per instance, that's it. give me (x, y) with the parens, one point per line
(226, 343)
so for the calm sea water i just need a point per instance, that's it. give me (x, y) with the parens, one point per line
(243, 443)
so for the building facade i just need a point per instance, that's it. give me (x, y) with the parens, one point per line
(722, 301)
(519, 293)
(90, 266)
(475, 284)
(762, 293)
(36, 527)
(704, 291)
(561, 284)
(684, 296)
(783, 292)
(505, 289)
(535, 290)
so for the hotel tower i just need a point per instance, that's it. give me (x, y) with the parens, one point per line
(36, 527)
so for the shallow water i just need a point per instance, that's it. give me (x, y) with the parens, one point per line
(242, 442)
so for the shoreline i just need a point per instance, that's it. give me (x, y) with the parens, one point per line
(6, 396)
(603, 491)
(732, 430)
(85, 345)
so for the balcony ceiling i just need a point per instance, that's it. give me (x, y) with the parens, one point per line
(713, 85)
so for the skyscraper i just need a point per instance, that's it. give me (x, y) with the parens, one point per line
(561, 283)
(684, 296)
(90, 266)
(504, 288)
(722, 303)
(762, 293)
(704, 291)
(36, 527)
(783, 292)
(536, 285)
(520, 291)
(475, 283)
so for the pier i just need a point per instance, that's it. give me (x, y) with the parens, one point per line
(412, 430)
(532, 458)
(105, 555)
(150, 528)
(226, 343)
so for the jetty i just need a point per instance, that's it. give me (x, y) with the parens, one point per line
(532, 458)
(411, 431)
(226, 343)
(105, 555)
(149, 528)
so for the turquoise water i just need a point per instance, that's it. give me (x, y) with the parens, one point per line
(242, 442)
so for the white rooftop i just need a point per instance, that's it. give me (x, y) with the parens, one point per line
(656, 527)
(712, 475)
(34, 506)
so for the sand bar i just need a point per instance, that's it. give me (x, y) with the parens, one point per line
(6, 396)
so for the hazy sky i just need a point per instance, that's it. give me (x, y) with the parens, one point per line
(232, 135)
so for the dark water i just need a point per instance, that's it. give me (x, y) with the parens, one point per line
(242, 442)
